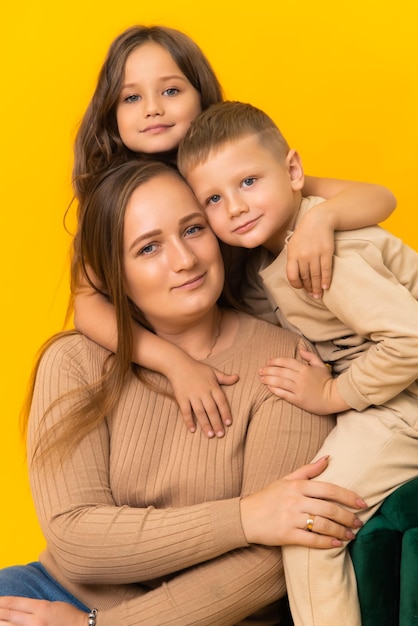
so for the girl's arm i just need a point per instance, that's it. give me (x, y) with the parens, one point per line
(196, 386)
(348, 205)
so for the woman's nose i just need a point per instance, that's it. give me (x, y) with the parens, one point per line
(182, 257)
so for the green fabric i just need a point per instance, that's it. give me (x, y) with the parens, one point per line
(385, 558)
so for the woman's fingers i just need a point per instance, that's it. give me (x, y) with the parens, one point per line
(297, 510)
(30, 612)
(331, 494)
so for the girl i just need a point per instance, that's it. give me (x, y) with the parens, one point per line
(143, 521)
(153, 83)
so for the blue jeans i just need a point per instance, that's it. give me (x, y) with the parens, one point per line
(33, 581)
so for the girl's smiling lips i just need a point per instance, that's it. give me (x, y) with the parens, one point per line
(192, 283)
(156, 128)
(244, 228)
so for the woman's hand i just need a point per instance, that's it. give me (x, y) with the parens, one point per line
(28, 612)
(277, 515)
(310, 250)
(196, 387)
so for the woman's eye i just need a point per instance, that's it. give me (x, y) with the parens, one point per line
(148, 249)
(192, 230)
(172, 91)
(248, 182)
(214, 199)
(133, 98)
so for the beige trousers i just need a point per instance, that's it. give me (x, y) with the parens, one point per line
(372, 453)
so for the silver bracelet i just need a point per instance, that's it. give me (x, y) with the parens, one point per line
(92, 617)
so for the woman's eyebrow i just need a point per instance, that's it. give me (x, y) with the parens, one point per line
(150, 234)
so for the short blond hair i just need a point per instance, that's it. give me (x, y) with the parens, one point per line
(227, 122)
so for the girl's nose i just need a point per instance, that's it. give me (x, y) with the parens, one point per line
(152, 106)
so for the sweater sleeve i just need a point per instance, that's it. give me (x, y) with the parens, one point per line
(91, 538)
(367, 297)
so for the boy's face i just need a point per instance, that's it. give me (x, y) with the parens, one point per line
(250, 197)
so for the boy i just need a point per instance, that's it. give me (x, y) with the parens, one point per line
(365, 327)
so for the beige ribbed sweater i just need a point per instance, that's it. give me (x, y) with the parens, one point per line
(143, 519)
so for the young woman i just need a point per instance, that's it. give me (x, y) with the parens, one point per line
(153, 83)
(144, 521)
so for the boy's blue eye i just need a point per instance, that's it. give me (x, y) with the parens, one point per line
(214, 199)
(248, 182)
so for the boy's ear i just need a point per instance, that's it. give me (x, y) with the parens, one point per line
(295, 169)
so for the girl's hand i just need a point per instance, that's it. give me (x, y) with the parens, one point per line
(277, 515)
(28, 612)
(308, 385)
(196, 387)
(310, 250)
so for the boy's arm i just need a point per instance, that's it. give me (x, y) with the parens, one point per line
(196, 386)
(347, 206)
(373, 304)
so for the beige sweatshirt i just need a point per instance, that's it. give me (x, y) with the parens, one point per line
(366, 324)
(143, 519)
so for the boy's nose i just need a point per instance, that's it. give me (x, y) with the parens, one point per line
(236, 207)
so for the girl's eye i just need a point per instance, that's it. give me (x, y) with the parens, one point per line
(214, 199)
(148, 249)
(171, 91)
(192, 230)
(133, 98)
(248, 182)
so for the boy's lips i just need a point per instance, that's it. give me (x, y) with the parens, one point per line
(156, 128)
(244, 228)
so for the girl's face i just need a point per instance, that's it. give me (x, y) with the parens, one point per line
(173, 267)
(157, 102)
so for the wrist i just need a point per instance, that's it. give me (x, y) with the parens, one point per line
(336, 401)
(325, 215)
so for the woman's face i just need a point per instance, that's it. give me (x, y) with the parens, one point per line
(157, 102)
(173, 267)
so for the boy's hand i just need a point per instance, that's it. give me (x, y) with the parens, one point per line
(310, 250)
(308, 385)
(196, 387)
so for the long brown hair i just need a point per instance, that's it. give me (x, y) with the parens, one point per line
(98, 144)
(100, 248)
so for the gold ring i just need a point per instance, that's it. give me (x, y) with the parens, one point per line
(309, 523)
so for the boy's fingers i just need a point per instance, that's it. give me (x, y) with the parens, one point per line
(293, 274)
(326, 272)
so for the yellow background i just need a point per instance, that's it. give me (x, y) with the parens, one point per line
(340, 79)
